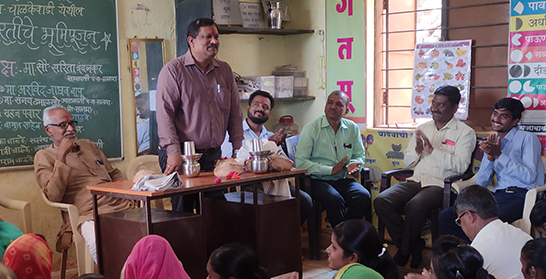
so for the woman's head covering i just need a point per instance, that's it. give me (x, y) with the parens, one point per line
(29, 257)
(151, 258)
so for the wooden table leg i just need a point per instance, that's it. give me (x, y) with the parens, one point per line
(98, 240)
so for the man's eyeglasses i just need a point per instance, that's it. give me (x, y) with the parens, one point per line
(64, 125)
(458, 220)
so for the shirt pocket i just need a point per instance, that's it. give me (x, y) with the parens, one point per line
(223, 99)
(345, 149)
(448, 146)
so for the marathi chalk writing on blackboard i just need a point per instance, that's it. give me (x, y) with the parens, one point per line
(57, 52)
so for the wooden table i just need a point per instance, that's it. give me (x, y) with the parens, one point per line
(155, 221)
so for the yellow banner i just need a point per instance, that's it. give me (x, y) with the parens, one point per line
(528, 23)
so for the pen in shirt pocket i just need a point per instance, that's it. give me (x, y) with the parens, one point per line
(218, 88)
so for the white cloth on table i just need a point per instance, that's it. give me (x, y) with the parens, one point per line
(157, 182)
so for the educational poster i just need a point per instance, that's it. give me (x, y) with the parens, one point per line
(345, 55)
(438, 64)
(135, 60)
(527, 63)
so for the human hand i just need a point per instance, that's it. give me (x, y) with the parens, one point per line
(426, 146)
(67, 145)
(354, 169)
(278, 136)
(173, 164)
(491, 146)
(339, 166)
(418, 142)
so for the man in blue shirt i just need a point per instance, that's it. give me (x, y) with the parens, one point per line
(329, 148)
(260, 104)
(514, 156)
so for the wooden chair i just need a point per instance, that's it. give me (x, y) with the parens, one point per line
(83, 256)
(314, 220)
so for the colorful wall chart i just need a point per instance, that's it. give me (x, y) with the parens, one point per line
(135, 59)
(345, 55)
(438, 64)
(527, 63)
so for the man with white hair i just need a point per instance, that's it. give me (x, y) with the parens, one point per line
(68, 166)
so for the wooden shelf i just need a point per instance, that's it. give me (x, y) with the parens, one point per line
(302, 98)
(222, 29)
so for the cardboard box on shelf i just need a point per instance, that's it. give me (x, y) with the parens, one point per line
(284, 87)
(300, 91)
(247, 85)
(301, 82)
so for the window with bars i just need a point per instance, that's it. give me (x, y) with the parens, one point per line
(404, 23)
(400, 24)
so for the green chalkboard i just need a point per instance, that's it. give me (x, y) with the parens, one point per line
(58, 52)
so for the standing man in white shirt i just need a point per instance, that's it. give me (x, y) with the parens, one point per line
(438, 149)
(499, 243)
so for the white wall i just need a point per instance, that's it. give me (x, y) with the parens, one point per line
(247, 54)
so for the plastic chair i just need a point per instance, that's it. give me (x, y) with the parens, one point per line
(6, 272)
(83, 256)
(146, 162)
(530, 200)
(23, 206)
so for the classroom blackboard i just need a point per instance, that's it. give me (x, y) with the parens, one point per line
(186, 12)
(58, 52)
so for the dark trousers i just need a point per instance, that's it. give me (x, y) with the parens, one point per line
(510, 201)
(306, 203)
(417, 200)
(336, 195)
(187, 203)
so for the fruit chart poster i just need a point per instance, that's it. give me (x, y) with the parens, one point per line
(438, 64)
(527, 63)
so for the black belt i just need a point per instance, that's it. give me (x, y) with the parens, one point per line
(515, 189)
(207, 150)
